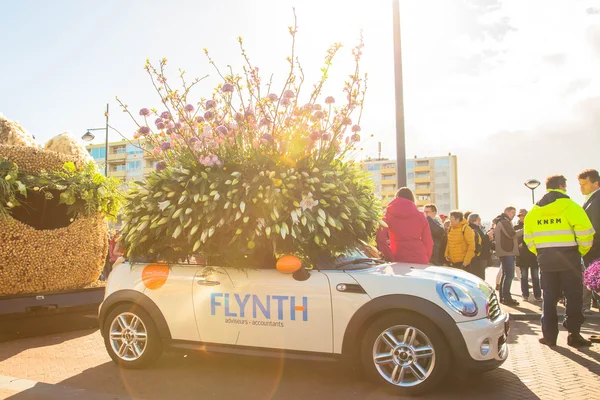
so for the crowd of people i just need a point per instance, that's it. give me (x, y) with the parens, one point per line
(555, 240)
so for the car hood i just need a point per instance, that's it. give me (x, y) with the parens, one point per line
(421, 281)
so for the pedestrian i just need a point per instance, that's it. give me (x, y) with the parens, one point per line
(482, 255)
(589, 183)
(559, 232)
(115, 250)
(409, 235)
(460, 249)
(507, 248)
(437, 234)
(443, 218)
(527, 262)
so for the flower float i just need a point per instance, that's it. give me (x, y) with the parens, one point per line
(251, 171)
(591, 277)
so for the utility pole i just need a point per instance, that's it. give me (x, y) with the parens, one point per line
(400, 132)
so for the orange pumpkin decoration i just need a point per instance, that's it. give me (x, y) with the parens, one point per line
(154, 276)
(289, 264)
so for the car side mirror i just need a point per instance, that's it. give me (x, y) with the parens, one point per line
(289, 264)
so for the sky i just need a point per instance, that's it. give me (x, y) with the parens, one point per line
(510, 86)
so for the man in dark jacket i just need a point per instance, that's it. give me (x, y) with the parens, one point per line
(589, 182)
(480, 261)
(527, 261)
(437, 233)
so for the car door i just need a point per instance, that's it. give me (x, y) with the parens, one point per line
(211, 306)
(274, 310)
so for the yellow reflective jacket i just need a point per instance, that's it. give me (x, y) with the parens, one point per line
(557, 224)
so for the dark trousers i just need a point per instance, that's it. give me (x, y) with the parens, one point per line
(571, 284)
(508, 273)
(477, 268)
(535, 281)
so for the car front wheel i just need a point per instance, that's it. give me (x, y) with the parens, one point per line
(406, 352)
(131, 337)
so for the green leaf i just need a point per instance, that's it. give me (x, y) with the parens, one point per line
(69, 167)
(322, 213)
(177, 232)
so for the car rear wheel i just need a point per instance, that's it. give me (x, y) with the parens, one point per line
(405, 352)
(131, 337)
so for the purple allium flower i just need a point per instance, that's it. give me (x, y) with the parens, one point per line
(189, 107)
(289, 94)
(144, 130)
(249, 112)
(193, 140)
(211, 104)
(317, 107)
(239, 117)
(144, 112)
(208, 115)
(160, 166)
(158, 121)
(165, 115)
(273, 97)
(266, 137)
(329, 100)
(591, 276)
(170, 131)
(346, 121)
(222, 130)
(264, 122)
(355, 137)
(178, 125)
(315, 135)
(160, 125)
(355, 128)
(199, 119)
(285, 102)
(165, 146)
(325, 136)
(307, 107)
(319, 114)
(228, 88)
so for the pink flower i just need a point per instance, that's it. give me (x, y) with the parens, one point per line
(177, 125)
(160, 125)
(144, 130)
(355, 128)
(329, 100)
(325, 136)
(317, 107)
(208, 115)
(289, 94)
(346, 121)
(355, 137)
(227, 88)
(273, 97)
(156, 151)
(315, 135)
(264, 122)
(285, 102)
(319, 114)
(144, 112)
(222, 130)
(189, 107)
(211, 104)
(165, 115)
(199, 119)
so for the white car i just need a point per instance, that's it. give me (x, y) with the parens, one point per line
(406, 324)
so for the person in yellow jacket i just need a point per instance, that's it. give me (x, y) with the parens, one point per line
(460, 248)
(559, 232)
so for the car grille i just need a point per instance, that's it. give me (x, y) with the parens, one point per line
(493, 307)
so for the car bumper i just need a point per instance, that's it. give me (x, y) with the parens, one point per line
(486, 343)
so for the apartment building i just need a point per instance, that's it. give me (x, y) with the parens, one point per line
(126, 161)
(432, 180)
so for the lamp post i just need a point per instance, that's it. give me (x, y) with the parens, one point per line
(532, 184)
(89, 136)
(400, 133)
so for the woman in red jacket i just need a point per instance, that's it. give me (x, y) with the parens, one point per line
(408, 231)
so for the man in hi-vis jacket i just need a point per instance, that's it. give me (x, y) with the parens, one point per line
(559, 232)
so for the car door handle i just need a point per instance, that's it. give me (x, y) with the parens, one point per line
(205, 282)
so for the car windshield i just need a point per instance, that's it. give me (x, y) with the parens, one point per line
(356, 258)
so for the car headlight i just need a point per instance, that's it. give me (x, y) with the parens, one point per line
(458, 299)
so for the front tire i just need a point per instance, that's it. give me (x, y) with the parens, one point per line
(405, 352)
(131, 337)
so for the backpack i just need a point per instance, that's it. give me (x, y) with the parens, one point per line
(477, 240)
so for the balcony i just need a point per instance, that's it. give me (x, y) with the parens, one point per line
(117, 174)
(388, 171)
(421, 203)
(422, 192)
(391, 182)
(422, 168)
(426, 179)
(388, 193)
(117, 157)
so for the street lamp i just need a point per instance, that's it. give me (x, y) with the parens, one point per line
(532, 184)
(89, 136)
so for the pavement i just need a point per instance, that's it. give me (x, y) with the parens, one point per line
(528, 310)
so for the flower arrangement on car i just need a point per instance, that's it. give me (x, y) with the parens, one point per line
(251, 170)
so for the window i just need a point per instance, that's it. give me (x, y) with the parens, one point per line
(422, 175)
(120, 167)
(442, 186)
(422, 186)
(388, 176)
(442, 162)
(134, 151)
(410, 165)
(410, 176)
(389, 165)
(134, 166)
(423, 163)
(373, 167)
(441, 174)
(119, 150)
(99, 152)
